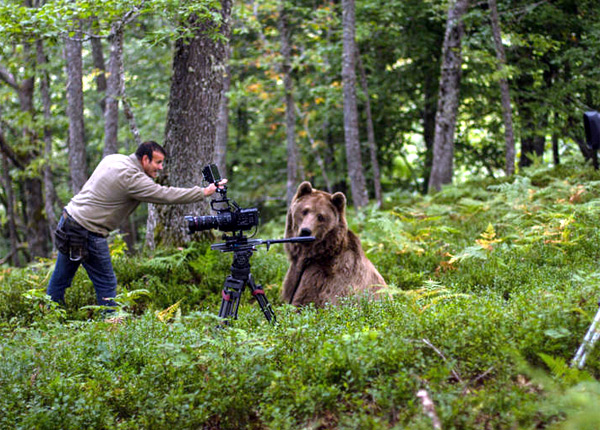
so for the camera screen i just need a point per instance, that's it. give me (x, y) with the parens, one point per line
(211, 173)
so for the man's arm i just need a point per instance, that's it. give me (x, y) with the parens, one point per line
(143, 188)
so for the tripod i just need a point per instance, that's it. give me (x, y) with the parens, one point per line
(589, 340)
(240, 276)
(236, 282)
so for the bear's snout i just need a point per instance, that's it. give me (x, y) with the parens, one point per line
(305, 232)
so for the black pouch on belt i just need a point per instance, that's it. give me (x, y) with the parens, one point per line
(71, 240)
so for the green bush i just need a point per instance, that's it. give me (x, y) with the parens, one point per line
(493, 285)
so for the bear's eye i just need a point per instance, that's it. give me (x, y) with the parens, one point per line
(321, 218)
(305, 212)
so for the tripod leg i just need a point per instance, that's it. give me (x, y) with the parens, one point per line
(259, 293)
(232, 291)
(589, 340)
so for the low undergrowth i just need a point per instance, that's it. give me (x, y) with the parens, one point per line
(492, 288)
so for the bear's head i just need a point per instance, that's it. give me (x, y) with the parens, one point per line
(319, 214)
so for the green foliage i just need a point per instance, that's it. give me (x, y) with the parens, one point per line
(492, 288)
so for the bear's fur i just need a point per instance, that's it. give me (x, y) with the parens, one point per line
(334, 264)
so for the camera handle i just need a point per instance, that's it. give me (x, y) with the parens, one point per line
(235, 284)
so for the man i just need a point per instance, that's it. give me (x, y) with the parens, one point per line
(110, 195)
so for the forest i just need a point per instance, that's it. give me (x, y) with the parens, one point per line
(454, 128)
(353, 105)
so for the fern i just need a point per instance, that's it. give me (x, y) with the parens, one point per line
(432, 293)
(513, 191)
(567, 376)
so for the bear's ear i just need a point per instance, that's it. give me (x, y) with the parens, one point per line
(339, 201)
(303, 189)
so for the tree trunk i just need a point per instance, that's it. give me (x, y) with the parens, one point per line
(353, 153)
(442, 168)
(555, 149)
(10, 212)
(534, 119)
(370, 132)
(36, 225)
(49, 190)
(220, 158)
(509, 135)
(127, 110)
(290, 112)
(315, 149)
(35, 221)
(113, 86)
(74, 67)
(196, 88)
(99, 70)
(429, 113)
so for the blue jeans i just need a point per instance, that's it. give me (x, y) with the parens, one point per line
(98, 267)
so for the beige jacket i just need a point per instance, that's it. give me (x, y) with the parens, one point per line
(116, 188)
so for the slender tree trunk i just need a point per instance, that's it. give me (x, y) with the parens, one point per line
(555, 149)
(196, 88)
(509, 135)
(10, 212)
(114, 89)
(113, 86)
(534, 119)
(290, 112)
(49, 191)
(36, 225)
(127, 109)
(99, 70)
(325, 157)
(35, 220)
(370, 131)
(220, 158)
(74, 67)
(353, 153)
(127, 227)
(445, 123)
(429, 113)
(315, 150)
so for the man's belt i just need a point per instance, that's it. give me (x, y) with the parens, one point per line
(71, 219)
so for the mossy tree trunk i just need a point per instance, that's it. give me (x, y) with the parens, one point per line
(196, 88)
(290, 111)
(356, 174)
(442, 168)
(74, 92)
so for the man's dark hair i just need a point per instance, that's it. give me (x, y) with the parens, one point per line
(148, 148)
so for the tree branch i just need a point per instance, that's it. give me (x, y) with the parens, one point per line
(7, 257)
(429, 409)
(8, 151)
(8, 77)
(454, 372)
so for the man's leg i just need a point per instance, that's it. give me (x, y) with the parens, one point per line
(64, 272)
(100, 270)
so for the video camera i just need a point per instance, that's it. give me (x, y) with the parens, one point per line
(229, 217)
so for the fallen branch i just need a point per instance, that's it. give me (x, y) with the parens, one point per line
(454, 372)
(7, 257)
(429, 408)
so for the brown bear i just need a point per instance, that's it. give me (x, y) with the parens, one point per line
(334, 264)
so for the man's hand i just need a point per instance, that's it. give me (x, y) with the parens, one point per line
(211, 188)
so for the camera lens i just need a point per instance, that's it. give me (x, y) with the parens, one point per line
(201, 223)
